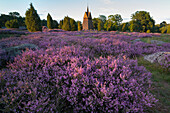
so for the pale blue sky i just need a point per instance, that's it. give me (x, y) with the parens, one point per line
(159, 9)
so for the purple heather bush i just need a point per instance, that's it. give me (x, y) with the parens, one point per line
(62, 80)
(77, 72)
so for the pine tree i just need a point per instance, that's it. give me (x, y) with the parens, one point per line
(32, 20)
(60, 24)
(49, 21)
(99, 26)
(79, 26)
(73, 24)
(55, 24)
(66, 24)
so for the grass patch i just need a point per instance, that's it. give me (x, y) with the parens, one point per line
(160, 87)
(4, 35)
(163, 37)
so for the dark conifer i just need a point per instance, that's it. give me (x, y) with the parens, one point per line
(49, 21)
(32, 20)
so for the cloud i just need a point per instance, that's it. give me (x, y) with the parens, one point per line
(107, 1)
(167, 18)
(126, 18)
(41, 14)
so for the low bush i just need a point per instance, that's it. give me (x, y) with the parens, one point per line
(62, 80)
(12, 24)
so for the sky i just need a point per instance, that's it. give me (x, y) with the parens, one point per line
(58, 9)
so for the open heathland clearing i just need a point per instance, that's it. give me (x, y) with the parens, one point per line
(84, 71)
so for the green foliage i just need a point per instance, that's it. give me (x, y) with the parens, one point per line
(79, 26)
(113, 22)
(12, 24)
(148, 31)
(69, 24)
(157, 29)
(60, 24)
(163, 37)
(5, 35)
(141, 22)
(49, 21)
(66, 24)
(99, 26)
(44, 22)
(73, 24)
(117, 19)
(125, 27)
(160, 87)
(32, 20)
(55, 24)
(163, 29)
(163, 24)
(168, 29)
(95, 22)
(102, 18)
(13, 15)
(108, 25)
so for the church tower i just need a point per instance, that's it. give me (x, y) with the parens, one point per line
(87, 21)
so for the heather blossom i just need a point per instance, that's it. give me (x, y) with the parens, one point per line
(77, 72)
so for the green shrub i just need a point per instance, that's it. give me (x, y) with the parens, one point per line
(66, 24)
(12, 24)
(148, 31)
(49, 21)
(168, 29)
(32, 20)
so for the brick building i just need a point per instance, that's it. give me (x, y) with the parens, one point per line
(87, 21)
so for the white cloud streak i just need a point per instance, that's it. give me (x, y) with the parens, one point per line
(107, 1)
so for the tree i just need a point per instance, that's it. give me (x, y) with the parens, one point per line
(95, 22)
(157, 28)
(69, 24)
(79, 25)
(134, 26)
(12, 24)
(142, 21)
(115, 19)
(55, 24)
(113, 22)
(49, 21)
(4, 18)
(61, 24)
(44, 22)
(14, 14)
(32, 20)
(103, 18)
(66, 24)
(168, 29)
(108, 25)
(125, 27)
(163, 24)
(99, 26)
(73, 24)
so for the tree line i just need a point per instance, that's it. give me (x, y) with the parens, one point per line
(141, 21)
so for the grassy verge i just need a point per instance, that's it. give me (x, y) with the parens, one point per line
(8, 35)
(160, 87)
(163, 37)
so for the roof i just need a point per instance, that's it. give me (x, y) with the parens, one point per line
(87, 14)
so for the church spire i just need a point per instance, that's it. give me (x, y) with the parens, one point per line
(87, 8)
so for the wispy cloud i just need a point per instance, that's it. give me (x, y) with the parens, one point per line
(167, 18)
(126, 19)
(107, 1)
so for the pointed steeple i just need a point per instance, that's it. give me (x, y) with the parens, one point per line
(87, 9)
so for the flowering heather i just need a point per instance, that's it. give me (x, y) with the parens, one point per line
(63, 80)
(77, 72)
